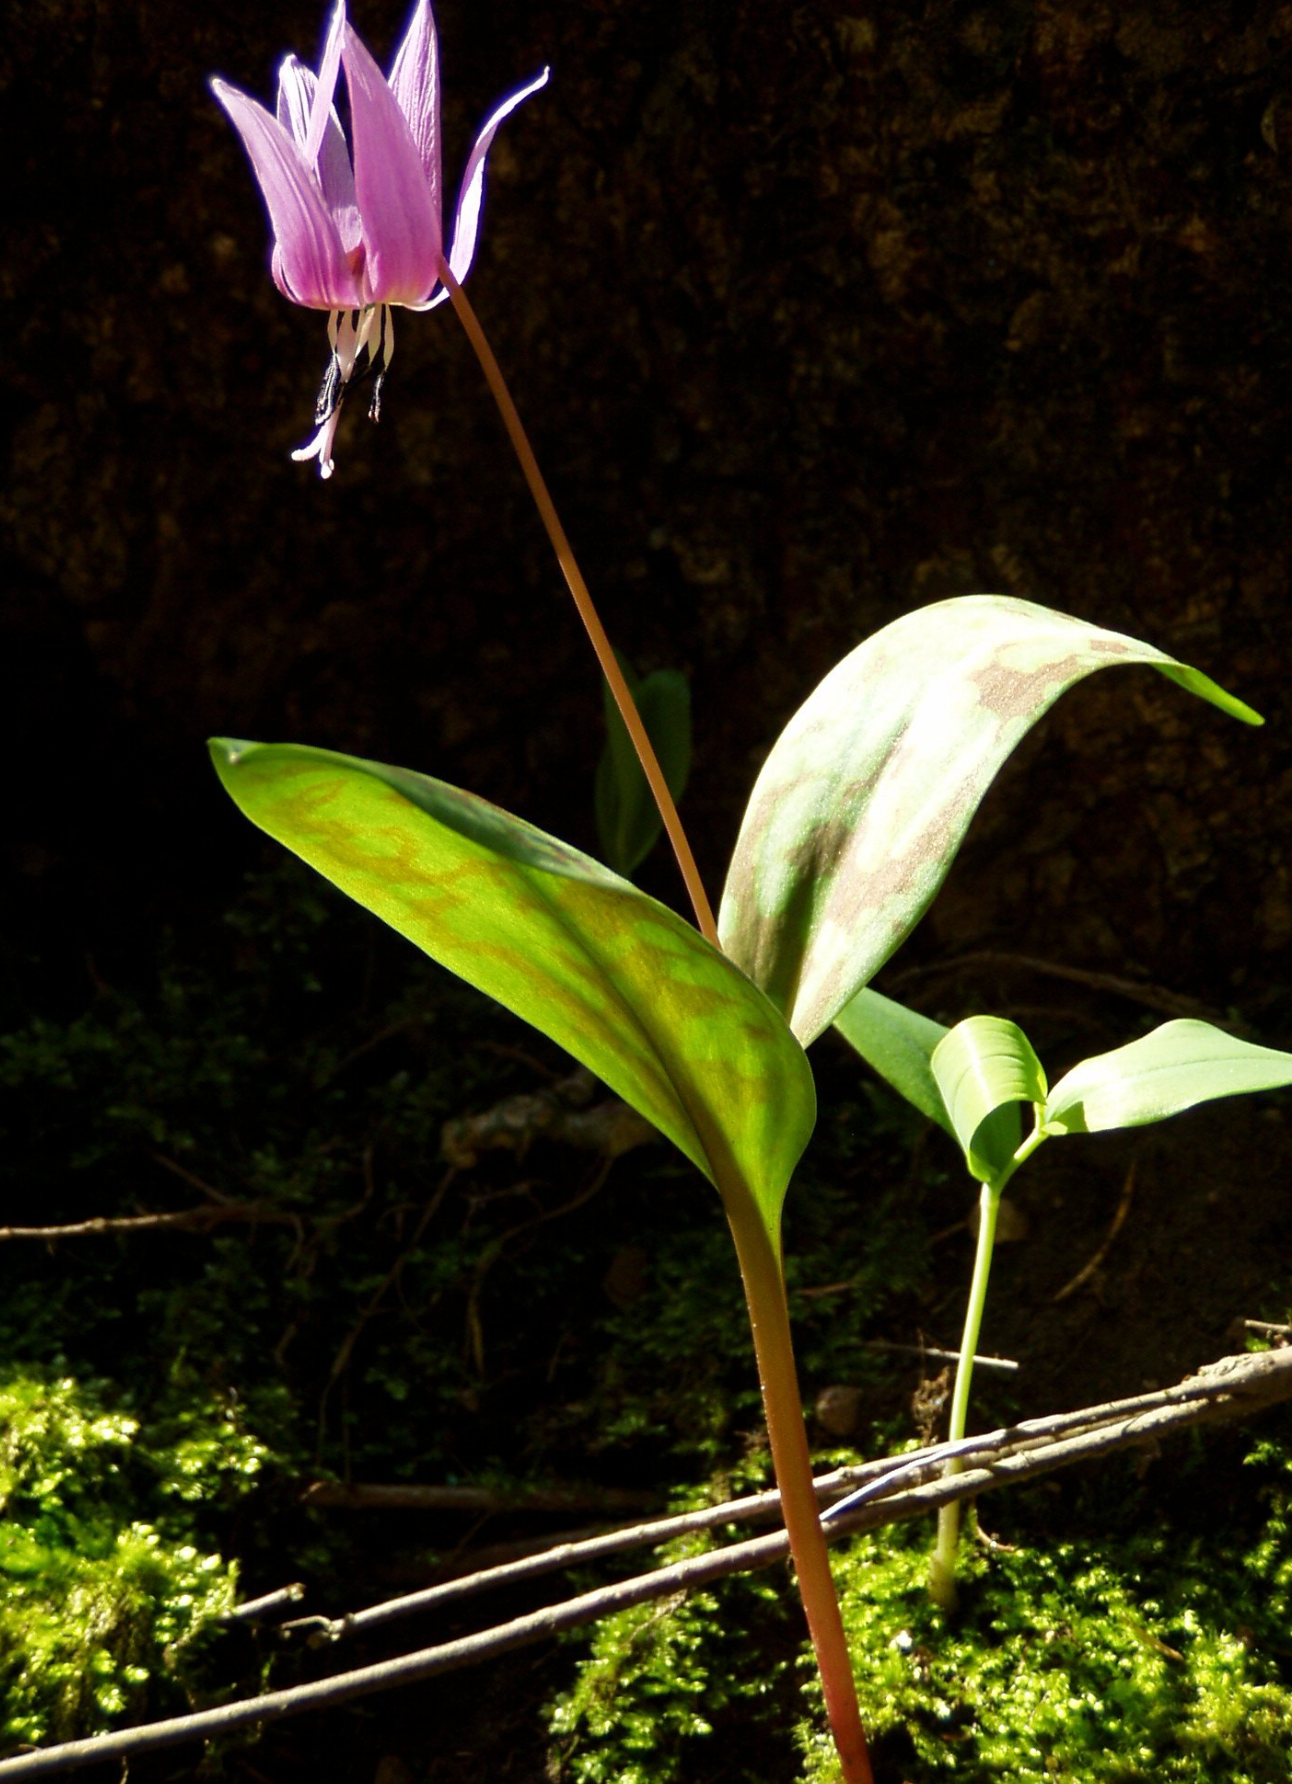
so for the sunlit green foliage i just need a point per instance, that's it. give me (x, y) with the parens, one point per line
(1149, 1654)
(104, 1590)
(1142, 1660)
(664, 1682)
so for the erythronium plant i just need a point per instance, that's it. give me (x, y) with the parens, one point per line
(854, 823)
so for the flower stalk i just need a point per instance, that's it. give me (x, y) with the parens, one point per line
(584, 603)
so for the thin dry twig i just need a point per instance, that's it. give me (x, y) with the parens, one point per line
(1152, 997)
(1002, 1365)
(200, 1184)
(191, 1220)
(491, 1254)
(1088, 1269)
(337, 1496)
(253, 1609)
(1231, 1388)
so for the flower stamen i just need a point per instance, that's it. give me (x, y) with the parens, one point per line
(363, 345)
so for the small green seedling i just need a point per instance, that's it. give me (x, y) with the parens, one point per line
(974, 1080)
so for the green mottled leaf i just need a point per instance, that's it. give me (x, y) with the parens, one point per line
(985, 1068)
(620, 981)
(628, 820)
(867, 794)
(1171, 1069)
(898, 1044)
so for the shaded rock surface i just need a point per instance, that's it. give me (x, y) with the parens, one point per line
(813, 316)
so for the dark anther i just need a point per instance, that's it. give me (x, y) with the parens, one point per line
(374, 405)
(330, 392)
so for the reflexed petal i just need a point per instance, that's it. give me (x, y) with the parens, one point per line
(415, 82)
(466, 224)
(309, 263)
(401, 227)
(296, 90)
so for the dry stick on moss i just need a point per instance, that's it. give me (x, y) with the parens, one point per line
(877, 1479)
(253, 1610)
(1231, 1388)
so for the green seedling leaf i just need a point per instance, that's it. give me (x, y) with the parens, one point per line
(867, 794)
(984, 1069)
(1171, 1069)
(618, 980)
(898, 1044)
(628, 820)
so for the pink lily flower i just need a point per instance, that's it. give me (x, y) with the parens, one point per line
(357, 226)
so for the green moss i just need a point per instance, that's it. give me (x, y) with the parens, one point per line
(1158, 1653)
(99, 1607)
(1150, 1657)
(671, 1688)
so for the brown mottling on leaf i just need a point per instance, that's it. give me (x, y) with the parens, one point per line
(876, 907)
(1023, 693)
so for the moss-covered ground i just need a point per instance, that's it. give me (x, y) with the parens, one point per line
(346, 1304)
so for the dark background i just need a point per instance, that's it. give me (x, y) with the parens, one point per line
(813, 316)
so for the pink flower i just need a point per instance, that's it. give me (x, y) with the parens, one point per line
(357, 226)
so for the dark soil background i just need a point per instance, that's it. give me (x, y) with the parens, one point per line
(814, 315)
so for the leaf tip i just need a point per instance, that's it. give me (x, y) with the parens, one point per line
(227, 752)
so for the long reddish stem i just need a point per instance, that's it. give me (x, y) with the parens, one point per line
(583, 601)
(764, 1281)
(759, 1264)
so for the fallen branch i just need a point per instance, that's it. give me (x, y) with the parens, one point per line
(874, 1479)
(1231, 1388)
(336, 1496)
(1001, 1365)
(253, 1609)
(191, 1220)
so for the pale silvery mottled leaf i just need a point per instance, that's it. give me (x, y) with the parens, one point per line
(867, 794)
